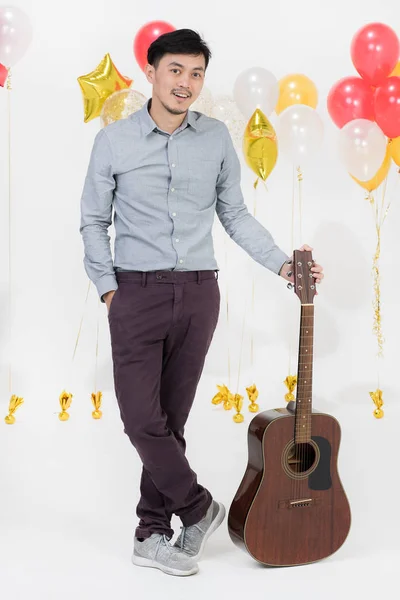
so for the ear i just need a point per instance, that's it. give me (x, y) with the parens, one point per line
(149, 71)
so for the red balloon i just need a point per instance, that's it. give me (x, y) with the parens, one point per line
(387, 107)
(375, 50)
(146, 36)
(3, 75)
(350, 98)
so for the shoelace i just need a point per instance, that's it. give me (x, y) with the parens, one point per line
(164, 539)
(183, 533)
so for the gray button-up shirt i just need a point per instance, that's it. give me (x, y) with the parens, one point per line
(165, 190)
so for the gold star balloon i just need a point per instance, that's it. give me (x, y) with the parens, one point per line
(260, 145)
(98, 85)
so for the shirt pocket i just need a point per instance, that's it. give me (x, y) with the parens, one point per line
(202, 178)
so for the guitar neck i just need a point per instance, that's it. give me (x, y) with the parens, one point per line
(304, 375)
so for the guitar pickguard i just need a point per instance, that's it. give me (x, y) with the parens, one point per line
(320, 478)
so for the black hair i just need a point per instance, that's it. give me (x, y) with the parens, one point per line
(180, 41)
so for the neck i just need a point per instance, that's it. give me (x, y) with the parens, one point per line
(304, 375)
(163, 118)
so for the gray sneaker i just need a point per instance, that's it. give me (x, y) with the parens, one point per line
(157, 552)
(192, 539)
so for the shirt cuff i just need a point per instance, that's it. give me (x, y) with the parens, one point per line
(107, 283)
(276, 260)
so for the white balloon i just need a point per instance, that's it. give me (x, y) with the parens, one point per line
(15, 35)
(362, 148)
(226, 110)
(204, 103)
(256, 88)
(300, 132)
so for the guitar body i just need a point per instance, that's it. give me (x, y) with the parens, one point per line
(290, 508)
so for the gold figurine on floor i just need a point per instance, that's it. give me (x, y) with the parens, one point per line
(65, 403)
(15, 402)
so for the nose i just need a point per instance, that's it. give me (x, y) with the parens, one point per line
(184, 82)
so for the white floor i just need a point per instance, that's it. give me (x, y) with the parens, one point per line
(68, 493)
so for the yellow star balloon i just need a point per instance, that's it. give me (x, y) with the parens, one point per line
(98, 85)
(260, 145)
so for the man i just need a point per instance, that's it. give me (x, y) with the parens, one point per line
(165, 171)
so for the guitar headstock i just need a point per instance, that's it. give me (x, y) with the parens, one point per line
(304, 281)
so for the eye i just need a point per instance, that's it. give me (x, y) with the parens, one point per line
(197, 75)
(175, 70)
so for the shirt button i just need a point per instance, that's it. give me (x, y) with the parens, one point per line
(181, 261)
(173, 165)
(177, 240)
(172, 189)
(174, 214)
(171, 137)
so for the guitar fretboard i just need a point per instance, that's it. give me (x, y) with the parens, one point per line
(304, 375)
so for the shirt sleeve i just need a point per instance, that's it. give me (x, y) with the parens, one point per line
(96, 216)
(240, 225)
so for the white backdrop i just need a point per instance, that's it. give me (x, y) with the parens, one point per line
(68, 490)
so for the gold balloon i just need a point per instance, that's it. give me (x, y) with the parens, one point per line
(260, 146)
(120, 105)
(394, 147)
(380, 176)
(296, 89)
(98, 85)
(396, 71)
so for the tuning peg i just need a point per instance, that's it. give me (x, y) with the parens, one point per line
(289, 273)
(290, 286)
(289, 262)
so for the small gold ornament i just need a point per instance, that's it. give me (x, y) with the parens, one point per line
(224, 397)
(252, 393)
(65, 403)
(238, 403)
(96, 401)
(378, 401)
(290, 382)
(15, 402)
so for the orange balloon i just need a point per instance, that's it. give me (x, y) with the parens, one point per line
(380, 175)
(296, 89)
(394, 146)
(396, 71)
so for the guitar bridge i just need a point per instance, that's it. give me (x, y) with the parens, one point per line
(301, 503)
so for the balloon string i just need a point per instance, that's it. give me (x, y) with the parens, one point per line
(292, 248)
(9, 233)
(253, 286)
(300, 179)
(227, 311)
(79, 330)
(97, 345)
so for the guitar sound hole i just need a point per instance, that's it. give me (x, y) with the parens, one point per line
(301, 458)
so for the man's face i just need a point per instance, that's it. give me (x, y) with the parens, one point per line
(177, 81)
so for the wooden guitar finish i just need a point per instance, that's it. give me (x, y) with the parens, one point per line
(290, 508)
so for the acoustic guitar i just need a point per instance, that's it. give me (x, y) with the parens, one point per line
(290, 508)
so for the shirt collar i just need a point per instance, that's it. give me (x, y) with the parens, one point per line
(148, 125)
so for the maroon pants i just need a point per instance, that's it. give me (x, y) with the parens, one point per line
(161, 326)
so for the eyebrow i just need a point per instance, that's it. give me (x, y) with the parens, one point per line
(176, 64)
